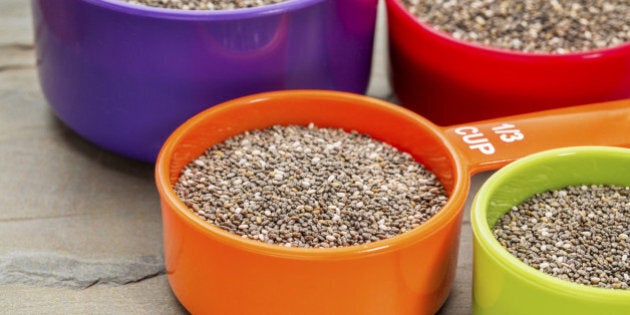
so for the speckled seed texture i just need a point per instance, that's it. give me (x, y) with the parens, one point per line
(579, 233)
(301, 186)
(204, 4)
(544, 26)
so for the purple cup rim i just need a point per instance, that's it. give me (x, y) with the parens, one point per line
(622, 48)
(178, 14)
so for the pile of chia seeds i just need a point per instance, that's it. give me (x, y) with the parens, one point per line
(579, 233)
(547, 26)
(301, 186)
(204, 4)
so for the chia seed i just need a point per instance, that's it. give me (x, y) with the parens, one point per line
(546, 26)
(204, 4)
(301, 186)
(579, 233)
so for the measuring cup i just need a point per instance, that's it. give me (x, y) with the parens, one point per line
(502, 283)
(124, 76)
(214, 271)
(451, 81)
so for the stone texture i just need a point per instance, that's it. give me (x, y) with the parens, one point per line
(80, 228)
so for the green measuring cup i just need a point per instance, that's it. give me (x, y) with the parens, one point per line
(503, 284)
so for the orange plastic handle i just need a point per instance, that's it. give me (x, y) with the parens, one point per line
(490, 144)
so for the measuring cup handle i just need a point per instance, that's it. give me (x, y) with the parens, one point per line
(490, 144)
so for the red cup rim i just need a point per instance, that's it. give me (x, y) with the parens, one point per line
(623, 48)
(440, 220)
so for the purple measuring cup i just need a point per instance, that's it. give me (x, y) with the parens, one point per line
(124, 76)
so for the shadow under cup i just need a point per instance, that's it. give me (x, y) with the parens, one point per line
(503, 284)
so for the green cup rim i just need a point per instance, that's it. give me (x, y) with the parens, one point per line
(486, 240)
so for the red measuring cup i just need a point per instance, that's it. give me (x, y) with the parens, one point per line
(451, 81)
(214, 271)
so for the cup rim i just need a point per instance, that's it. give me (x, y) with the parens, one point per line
(620, 49)
(244, 13)
(486, 240)
(451, 211)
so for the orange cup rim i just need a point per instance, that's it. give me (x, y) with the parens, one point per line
(441, 219)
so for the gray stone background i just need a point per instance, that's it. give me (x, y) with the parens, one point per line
(80, 228)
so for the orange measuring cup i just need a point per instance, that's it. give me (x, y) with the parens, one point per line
(212, 271)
